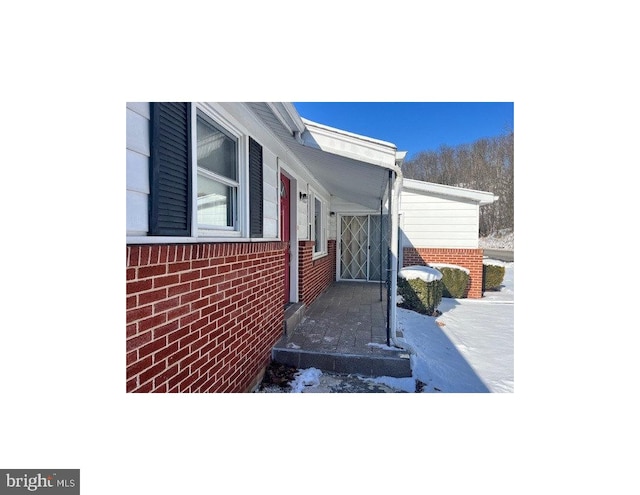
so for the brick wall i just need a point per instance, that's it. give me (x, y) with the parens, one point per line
(202, 317)
(315, 276)
(468, 258)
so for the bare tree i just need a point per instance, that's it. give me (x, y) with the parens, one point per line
(484, 165)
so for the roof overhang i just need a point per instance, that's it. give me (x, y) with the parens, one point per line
(452, 192)
(349, 166)
(349, 145)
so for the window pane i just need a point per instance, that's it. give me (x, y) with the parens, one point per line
(318, 225)
(215, 203)
(216, 150)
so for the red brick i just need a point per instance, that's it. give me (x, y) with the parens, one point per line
(132, 384)
(189, 297)
(189, 276)
(188, 339)
(138, 341)
(198, 385)
(152, 371)
(199, 304)
(177, 379)
(184, 384)
(165, 329)
(166, 305)
(178, 312)
(138, 286)
(165, 353)
(153, 346)
(132, 302)
(248, 323)
(132, 329)
(151, 271)
(145, 252)
(179, 289)
(166, 375)
(165, 281)
(139, 366)
(139, 313)
(181, 354)
(179, 267)
(152, 322)
(144, 388)
(151, 297)
(199, 264)
(132, 357)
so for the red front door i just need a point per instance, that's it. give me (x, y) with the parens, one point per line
(285, 231)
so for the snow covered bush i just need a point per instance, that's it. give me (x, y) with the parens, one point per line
(420, 288)
(492, 276)
(455, 279)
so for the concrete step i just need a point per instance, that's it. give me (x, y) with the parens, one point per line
(395, 364)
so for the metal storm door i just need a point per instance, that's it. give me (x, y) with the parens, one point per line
(378, 246)
(360, 247)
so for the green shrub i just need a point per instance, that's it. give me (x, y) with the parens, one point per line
(492, 276)
(420, 296)
(454, 280)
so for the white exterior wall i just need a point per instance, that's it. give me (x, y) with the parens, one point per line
(271, 194)
(303, 211)
(429, 221)
(138, 152)
(138, 162)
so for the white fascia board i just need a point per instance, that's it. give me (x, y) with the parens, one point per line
(347, 144)
(419, 186)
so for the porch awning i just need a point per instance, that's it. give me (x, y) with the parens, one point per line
(349, 166)
(352, 167)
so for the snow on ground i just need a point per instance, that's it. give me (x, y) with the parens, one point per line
(499, 240)
(305, 378)
(469, 348)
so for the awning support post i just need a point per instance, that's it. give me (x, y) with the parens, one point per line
(381, 246)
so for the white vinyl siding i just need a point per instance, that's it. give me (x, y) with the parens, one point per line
(271, 194)
(438, 222)
(138, 115)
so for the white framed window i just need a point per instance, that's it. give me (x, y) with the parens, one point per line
(206, 174)
(318, 217)
(219, 161)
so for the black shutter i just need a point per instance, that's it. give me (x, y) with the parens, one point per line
(170, 170)
(255, 189)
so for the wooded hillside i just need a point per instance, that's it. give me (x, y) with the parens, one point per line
(485, 165)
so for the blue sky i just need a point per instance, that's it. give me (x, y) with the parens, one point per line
(414, 127)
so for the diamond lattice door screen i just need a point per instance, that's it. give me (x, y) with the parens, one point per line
(376, 225)
(360, 247)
